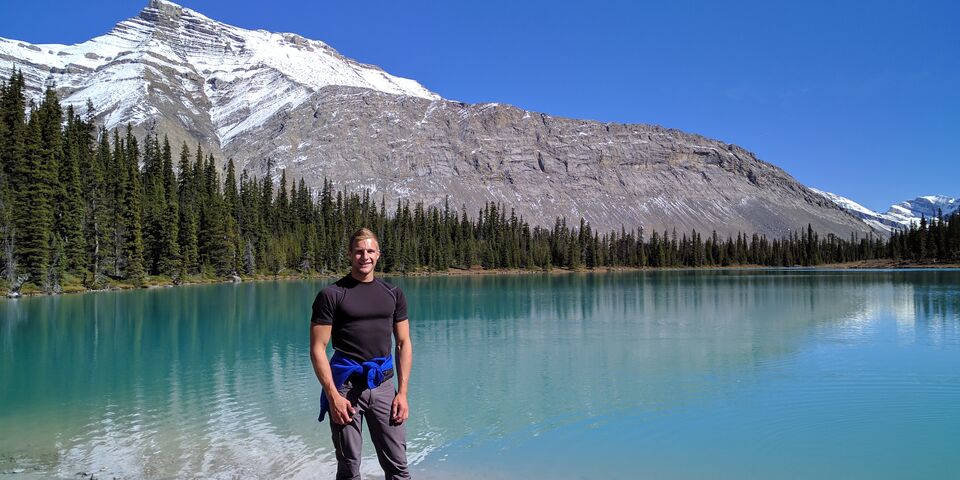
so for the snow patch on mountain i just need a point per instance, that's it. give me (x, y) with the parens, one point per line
(901, 215)
(245, 76)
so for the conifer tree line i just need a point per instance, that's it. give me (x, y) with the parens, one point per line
(81, 204)
(934, 239)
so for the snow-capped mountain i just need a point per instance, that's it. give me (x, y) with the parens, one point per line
(910, 211)
(901, 215)
(237, 77)
(277, 103)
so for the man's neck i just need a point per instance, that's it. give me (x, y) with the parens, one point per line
(361, 277)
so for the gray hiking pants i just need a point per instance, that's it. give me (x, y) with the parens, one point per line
(388, 438)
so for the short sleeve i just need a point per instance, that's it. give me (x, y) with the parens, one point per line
(323, 307)
(400, 312)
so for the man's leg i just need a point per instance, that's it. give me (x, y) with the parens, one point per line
(390, 440)
(348, 439)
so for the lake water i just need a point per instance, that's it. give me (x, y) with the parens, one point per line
(680, 374)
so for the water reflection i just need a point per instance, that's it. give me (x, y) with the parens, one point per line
(215, 380)
(167, 382)
(546, 350)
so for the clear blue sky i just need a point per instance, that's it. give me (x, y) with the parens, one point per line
(857, 98)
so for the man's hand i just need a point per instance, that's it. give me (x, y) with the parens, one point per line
(399, 412)
(341, 411)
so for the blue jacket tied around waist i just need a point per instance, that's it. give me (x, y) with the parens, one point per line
(344, 367)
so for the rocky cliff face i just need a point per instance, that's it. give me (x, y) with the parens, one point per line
(174, 71)
(544, 166)
(280, 101)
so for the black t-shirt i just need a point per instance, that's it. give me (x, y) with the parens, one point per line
(362, 315)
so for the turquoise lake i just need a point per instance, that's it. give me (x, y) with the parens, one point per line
(771, 374)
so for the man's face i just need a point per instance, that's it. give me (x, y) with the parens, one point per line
(364, 255)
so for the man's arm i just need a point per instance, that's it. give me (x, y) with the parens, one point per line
(341, 411)
(399, 412)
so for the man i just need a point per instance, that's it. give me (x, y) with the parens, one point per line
(359, 312)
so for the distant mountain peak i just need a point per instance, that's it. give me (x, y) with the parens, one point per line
(164, 5)
(159, 11)
(159, 4)
(900, 215)
(938, 199)
(172, 57)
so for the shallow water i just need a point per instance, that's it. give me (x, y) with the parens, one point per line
(681, 374)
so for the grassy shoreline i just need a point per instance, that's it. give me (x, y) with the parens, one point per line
(73, 285)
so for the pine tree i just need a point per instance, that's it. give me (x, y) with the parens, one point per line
(6, 223)
(131, 208)
(33, 197)
(268, 252)
(117, 176)
(215, 250)
(187, 231)
(50, 116)
(154, 205)
(12, 149)
(12, 125)
(97, 214)
(282, 207)
(250, 222)
(170, 258)
(78, 150)
(231, 209)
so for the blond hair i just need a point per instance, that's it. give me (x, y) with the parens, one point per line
(361, 235)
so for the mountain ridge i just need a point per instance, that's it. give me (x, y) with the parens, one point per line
(175, 72)
(162, 40)
(900, 215)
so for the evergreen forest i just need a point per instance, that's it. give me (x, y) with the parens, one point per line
(85, 208)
